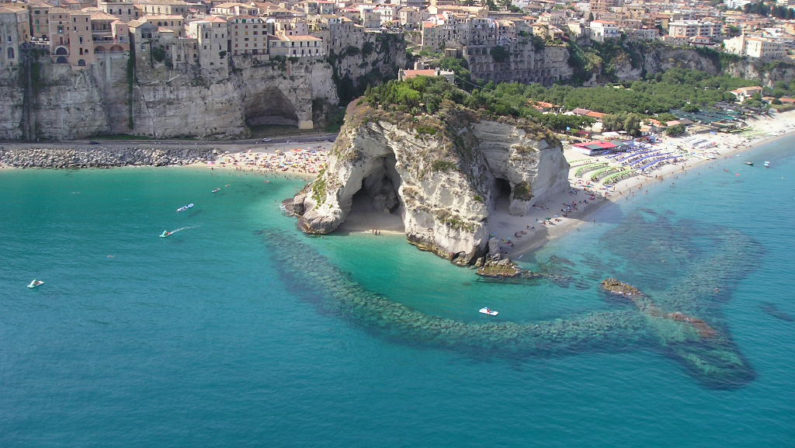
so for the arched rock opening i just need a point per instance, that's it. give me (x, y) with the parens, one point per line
(270, 107)
(377, 205)
(502, 195)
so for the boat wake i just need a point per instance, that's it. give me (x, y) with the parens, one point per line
(167, 233)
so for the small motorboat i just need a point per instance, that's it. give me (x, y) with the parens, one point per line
(185, 207)
(166, 234)
(35, 283)
(767, 164)
(749, 163)
(216, 190)
(489, 311)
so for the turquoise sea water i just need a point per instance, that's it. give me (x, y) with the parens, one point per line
(240, 331)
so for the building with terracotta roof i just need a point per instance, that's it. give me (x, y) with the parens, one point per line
(296, 46)
(430, 73)
(247, 35)
(124, 10)
(744, 93)
(602, 30)
(234, 9)
(13, 27)
(162, 7)
(70, 37)
(175, 23)
(211, 37)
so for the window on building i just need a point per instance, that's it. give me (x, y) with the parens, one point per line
(10, 53)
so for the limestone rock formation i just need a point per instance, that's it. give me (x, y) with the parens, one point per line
(56, 102)
(443, 174)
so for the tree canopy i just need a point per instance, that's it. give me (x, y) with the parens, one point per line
(625, 104)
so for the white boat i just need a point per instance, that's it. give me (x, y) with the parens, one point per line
(166, 234)
(489, 311)
(749, 163)
(767, 164)
(185, 207)
(35, 283)
(216, 190)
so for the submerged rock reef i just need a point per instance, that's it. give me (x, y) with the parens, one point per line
(443, 174)
(683, 321)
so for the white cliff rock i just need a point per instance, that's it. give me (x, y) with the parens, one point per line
(61, 103)
(442, 174)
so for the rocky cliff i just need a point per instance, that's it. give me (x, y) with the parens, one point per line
(633, 60)
(360, 59)
(42, 100)
(444, 175)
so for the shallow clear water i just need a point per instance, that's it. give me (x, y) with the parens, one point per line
(217, 336)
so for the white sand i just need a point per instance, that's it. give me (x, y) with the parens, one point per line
(517, 239)
(523, 234)
(294, 159)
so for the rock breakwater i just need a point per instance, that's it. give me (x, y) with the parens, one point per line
(99, 156)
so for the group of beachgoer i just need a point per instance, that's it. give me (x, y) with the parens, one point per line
(375, 231)
(298, 160)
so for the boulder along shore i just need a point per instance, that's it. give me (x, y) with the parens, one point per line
(99, 156)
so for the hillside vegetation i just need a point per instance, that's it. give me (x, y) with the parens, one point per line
(625, 104)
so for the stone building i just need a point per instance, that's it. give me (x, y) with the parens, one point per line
(296, 46)
(211, 38)
(234, 9)
(162, 7)
(687, 29)
(756, 47)
(70, 37)
(247, 35)
(602, 30)
(175, 23)
(13, 27)
(103, 34)
(39, 20)
(124, 10)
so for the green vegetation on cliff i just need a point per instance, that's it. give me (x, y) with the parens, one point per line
(626, 104)
(427, 95)
(661, 93)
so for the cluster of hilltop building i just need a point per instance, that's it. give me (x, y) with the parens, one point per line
(208, 34)
(180, 33)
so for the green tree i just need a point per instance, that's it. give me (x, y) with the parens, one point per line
(675, 131)
(499, 54)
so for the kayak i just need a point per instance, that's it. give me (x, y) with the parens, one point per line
(185, 207)
(35, 283)
(489, 311)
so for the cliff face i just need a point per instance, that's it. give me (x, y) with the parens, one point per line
(444, 175)
(767, 75)
(633, 63)
(360, 59)
(54, 101)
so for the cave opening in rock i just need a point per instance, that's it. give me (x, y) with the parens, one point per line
(377, 204)
(269, 108)
(502, 195)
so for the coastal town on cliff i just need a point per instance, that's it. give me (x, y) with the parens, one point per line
(481, 133)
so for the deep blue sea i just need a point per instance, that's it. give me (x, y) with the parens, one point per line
(240, 331)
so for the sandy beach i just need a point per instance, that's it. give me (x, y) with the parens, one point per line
(567, 211)
(552, 217)
(292, 159)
